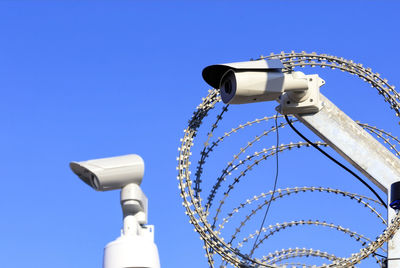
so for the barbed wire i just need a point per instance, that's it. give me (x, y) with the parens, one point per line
(297, 190)
(285, 254)
(273, 229)
(295, 264)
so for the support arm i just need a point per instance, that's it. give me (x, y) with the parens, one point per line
(361, 150)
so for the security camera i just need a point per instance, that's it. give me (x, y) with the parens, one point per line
(263, 80)
(135, 248)
(110, 173)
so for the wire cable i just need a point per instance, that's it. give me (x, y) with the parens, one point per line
(336, 161)
(275, 183)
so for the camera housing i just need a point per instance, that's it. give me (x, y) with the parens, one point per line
(248, 81)
(110, 173)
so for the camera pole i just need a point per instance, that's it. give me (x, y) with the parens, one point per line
(135, 247)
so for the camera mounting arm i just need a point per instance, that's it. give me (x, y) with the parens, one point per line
(354, 144)
(134, 208)
(361, 150)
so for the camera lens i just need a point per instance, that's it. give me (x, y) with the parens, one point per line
(95, 182)
(228, 86)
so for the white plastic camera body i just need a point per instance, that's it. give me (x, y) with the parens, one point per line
(263, 80)
(110, 173)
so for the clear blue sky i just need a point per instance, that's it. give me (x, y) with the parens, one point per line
(90, 79)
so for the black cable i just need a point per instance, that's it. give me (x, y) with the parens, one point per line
(384, 259)
(337, 162)
(276, 180)
(377, 254)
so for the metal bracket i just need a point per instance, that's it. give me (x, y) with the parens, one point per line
(302, 101)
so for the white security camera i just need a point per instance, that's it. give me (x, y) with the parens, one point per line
(263, 80)
(135, 248)
(110, 173)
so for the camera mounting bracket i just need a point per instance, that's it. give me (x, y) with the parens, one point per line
(300, 100)
(134, 207)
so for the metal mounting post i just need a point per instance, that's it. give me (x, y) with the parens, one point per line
(135, 248)
(361, 150)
